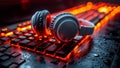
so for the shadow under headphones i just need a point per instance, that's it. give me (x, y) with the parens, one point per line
(64, 27)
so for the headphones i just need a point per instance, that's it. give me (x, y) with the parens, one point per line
(64, 26)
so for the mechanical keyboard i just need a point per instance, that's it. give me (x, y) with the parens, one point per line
(21, 47)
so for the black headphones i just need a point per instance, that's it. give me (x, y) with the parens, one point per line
(64, 26)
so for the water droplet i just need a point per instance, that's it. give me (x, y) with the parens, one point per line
(96, 55)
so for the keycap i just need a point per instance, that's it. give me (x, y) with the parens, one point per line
(1, 54)
(4, 30)
(15, 54)
(31, 38)
(25, 31)
(4, 39)
(66, 49)
(19, 61)
(24, 42)
(22, 37)
(43, 46)
(51, 49)
(19, 25)
(61, 53)
(12, 36)
(2, 49)
(32, 44)
(9, 52)
(5, 45)
(14, 41)
(13, 65)
(5, 57)
(28, 34)
(31, 32)
(18, 33)
(7, 63)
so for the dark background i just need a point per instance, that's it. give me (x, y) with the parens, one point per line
(12, 11)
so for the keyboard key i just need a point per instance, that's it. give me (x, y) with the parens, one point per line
(19, 25)
(18, 33)
(24, 42)
(2, 49)
(43, 46)
(4, 39)
(5, 57)
(61, 53)
(6, 64)
(15, 54)
(12, 36)
(1, 54)
(9, 52)
(25, 31)
(28, 34)
(31, 32)
(14, 41)
(51, 49)
(66, 49)
(13, 65)
(32, 44)
(19, 61)
(4, 30)
(5, 46)
(31, 38)
(22, 37)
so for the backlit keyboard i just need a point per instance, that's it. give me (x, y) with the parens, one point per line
(16, 39)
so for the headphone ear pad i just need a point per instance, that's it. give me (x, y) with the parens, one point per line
(39, 21)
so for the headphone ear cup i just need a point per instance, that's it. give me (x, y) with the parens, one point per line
(64, 27)
(39, 22)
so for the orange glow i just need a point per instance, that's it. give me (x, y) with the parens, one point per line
(19, 24)
(36, 35)
(107, 18)
(2, 34)
(28, 27)
(31, 38)
(18, 29)
(9, 33)
(82, 9)
(45, 36)
(28, 22)
(105, 9)
(50, 40)
(110, 11)
(4, 29)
